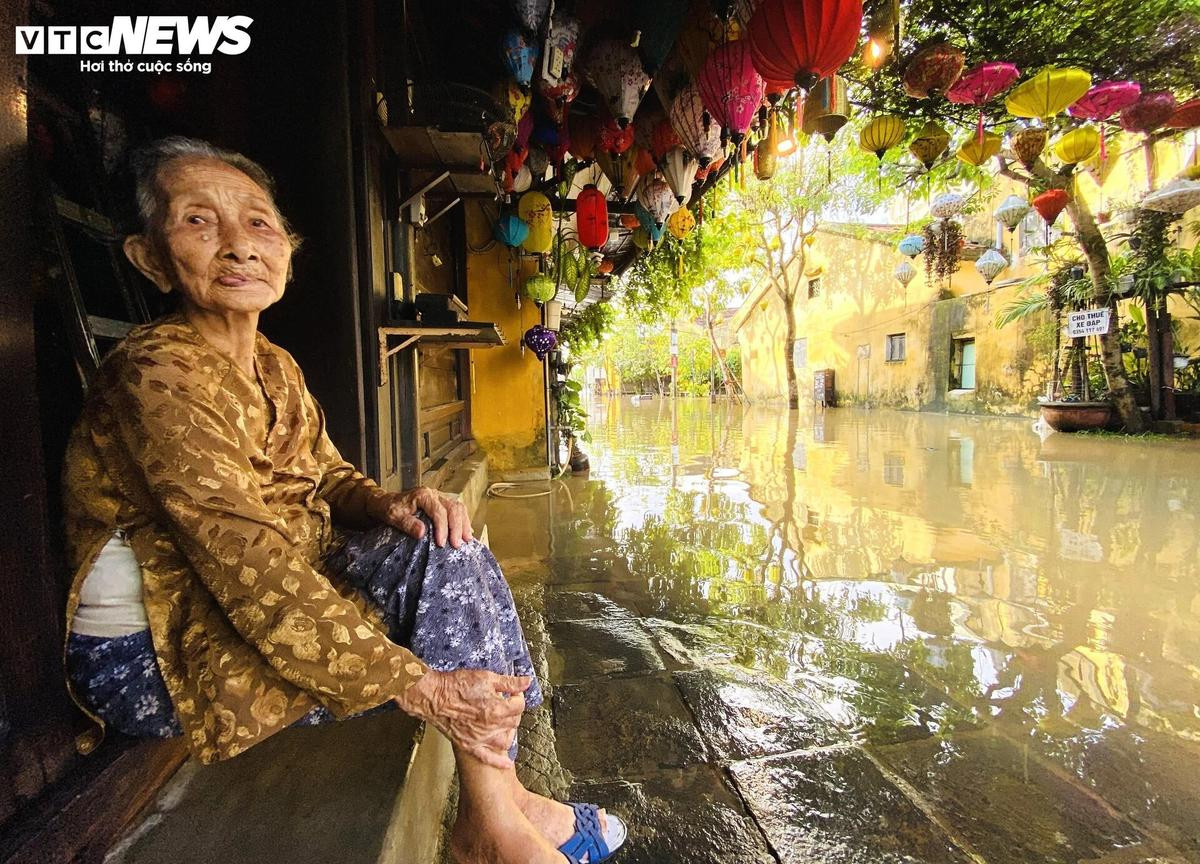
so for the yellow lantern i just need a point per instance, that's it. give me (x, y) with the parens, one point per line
(1101, 169)
(1048, 92)
(535, 209)
(881, 134)
(975, 153)
(931, 142)
(1078, 145)
(825, 108)
(680, 223)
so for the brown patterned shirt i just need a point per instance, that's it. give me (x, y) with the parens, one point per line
(227, 489)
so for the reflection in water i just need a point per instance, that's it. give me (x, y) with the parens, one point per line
(919, 575)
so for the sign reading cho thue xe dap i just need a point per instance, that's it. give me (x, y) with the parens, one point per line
(1087, 322)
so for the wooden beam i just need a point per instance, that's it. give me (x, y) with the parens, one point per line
(414, 196)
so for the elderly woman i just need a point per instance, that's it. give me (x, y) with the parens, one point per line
(235, 576)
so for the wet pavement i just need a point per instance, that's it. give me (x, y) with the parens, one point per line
(871, 636)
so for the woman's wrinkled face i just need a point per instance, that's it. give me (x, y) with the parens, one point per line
(226, 250)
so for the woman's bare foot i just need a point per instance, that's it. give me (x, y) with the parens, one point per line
(476, 839)
(555, 821)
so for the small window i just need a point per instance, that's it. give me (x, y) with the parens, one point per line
(962, 369)
(893, 469)
(800, 354)
(895, 347)
(814, 288)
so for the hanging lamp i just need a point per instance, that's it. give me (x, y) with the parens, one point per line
(803, 42)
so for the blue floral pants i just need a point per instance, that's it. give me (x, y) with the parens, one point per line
(450, 607)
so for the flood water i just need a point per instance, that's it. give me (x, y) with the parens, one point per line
(871, 636)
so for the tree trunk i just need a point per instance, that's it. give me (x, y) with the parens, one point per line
(1094, 247)
(727, 373)
(790, 349)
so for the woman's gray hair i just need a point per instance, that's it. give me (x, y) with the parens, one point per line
(148, 161)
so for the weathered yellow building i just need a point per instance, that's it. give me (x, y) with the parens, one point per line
(931, 346)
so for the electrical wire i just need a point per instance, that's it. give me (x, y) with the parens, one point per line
(498, 490)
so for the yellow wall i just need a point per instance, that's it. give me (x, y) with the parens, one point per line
(846, 327)
(507, 399)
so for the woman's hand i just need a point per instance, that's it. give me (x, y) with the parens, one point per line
(448, 515)
(479, 711)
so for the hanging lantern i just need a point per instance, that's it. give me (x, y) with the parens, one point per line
(1101, 166)
(540, 340)
(912, 245)
(990, 264)
(1186, 116)
(981, 85)
(591, 217)
(825, 108)
(612, 166)
(663, 139)
(629, 220)
(606, 266)
(803, 42)
(657, 197)
(1078, 145)
(1011, 211)
(1178, 196)
(931, 142)
(710, 170)
(731, 89)
(1048, 92)
(697, 131)
(516, 98)
(537, 162)
(615, 70)
(563, 38)
(681, 223)
(680, 167)
(534, 208)
(1103, 101)
(1028, 144)
(1151, 111)
(614, 138)
(585, 132)
(539, 288)
(520, 56)
(655, 231)
(658, 24)
(1050, 204)
(947, 205)
(881, 134)
(531, 13)
(524, 131)
(511, 229)
(933, 69)
(766, 154)
(558, 97)
(905, 272)
(641, 239)
(975, 151)
(522, 180)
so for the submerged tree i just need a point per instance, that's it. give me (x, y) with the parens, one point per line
(1153, 42)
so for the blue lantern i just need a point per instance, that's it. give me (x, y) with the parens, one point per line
(655, 230)
(520, 56)
(912, 245)
(511, 229)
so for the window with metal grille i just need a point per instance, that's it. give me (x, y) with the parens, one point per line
(814, 288)
(894, 347)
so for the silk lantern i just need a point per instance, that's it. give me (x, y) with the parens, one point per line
(697, 130)
(931, 142)
(563, 38)
(1050, 204)
(947, 205)
(803, 42)
(825, 108)
(531, 13)
(535, 209)
(1149, 112)
(1186, 116)
(540, 340)
(912, 245)
(1078, 145)
(881, 134)
(520, 56)
(1011, 211)
(585, 132)
(591, 217)
(731, 89)
(663, 139)
(614, 138)
(539, 288)
(681, 223)
(981, 85)
(680, 167)
(1048, 92)
(615, 70)
(558, 97)
(1028, 144)
(976, 151)
(1103, 101)
(990, 264)
(658, 198)
(905, 272)
(511, 229)
(933, 69)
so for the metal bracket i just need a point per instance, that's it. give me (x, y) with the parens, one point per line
(386, 352)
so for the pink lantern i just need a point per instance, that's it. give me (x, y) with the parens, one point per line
(981, 85)
(558, 97)
(697, 130)
(1103, 101)
(731, 88)
(1148, 112)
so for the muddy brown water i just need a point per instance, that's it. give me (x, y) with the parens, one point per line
(871, 636)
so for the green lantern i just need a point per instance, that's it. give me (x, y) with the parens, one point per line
(539, 288)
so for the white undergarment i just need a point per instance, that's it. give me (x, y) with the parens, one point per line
(110, 599)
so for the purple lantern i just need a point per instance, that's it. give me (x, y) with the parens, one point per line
(540, 340)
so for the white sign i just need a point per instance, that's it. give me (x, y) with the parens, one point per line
(1089, 322)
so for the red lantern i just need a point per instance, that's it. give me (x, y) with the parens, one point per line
(1051, 203)
(606, 267)
(614, 139)
(1186, 116)
(730, 88)
(1149, 112)
(663, 139)
(584, 130)
(933, 69)
(630, 221)
(591, 217)
(645, 162)
(803, 42)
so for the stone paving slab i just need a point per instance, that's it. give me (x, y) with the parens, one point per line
(573, 605)
(688, 816)
(835, 807)
(624, 727)
(583, 650)
(1011, 809)
(744, 715)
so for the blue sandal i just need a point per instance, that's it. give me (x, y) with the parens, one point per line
(590, 844)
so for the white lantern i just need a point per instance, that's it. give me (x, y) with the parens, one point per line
(990, 264)
(1178, 196)
(1011, 211)
(947, 204)
(680, 167)
(905, 272)
(658, 198)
